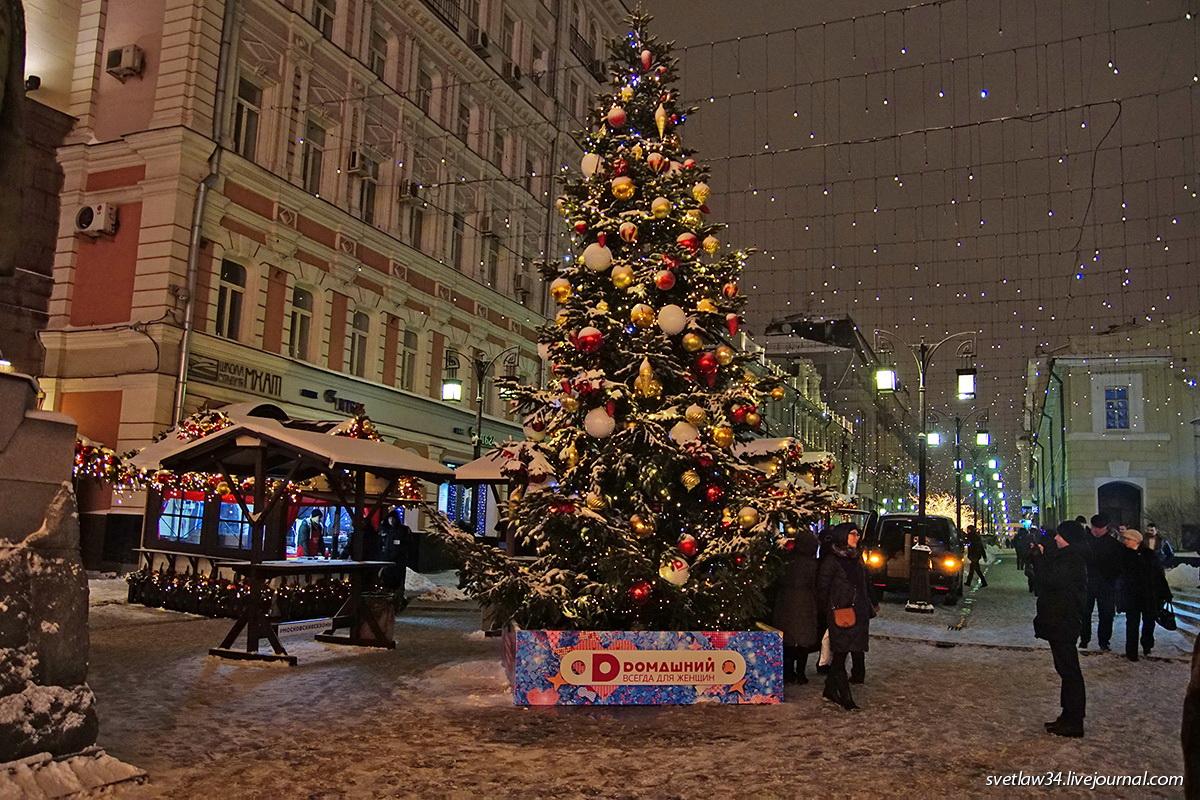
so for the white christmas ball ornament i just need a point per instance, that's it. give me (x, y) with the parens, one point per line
(683, 432)
(672, 319)
(674, 571)
(534, 435)
(599, 424)
(597, 257)
(590, 163)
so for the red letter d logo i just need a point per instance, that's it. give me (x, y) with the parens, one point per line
(604, 667)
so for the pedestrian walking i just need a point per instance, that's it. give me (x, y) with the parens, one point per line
(796, 607)
(975, 554)
(842, 590)
(1020, 545)
(1160, 545)
(1142, 591)
(1104, 565)
(1062, 575)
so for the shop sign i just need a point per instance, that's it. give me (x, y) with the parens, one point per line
(236, 376)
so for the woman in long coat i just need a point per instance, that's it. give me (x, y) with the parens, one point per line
(1142, 591)
(841, 584)
(796, 607)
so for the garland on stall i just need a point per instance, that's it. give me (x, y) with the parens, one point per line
(103, 463)
(220, 597)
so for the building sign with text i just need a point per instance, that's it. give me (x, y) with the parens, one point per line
(235, 376)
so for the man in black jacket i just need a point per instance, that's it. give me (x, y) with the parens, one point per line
(1062, 577)
(1104, 566)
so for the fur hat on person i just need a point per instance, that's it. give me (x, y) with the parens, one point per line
(1130, 533)
(1072, 532)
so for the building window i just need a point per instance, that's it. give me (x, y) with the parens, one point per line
(498, 149)
(312, 158)
(181, 521)
(491, 260)
(368, 183)
(377, 53)
(408, 361)
(322, 16)
(527, 178)
(360, 329)
(416, 226)
(229, 299)
(458, 232)
(464, 122)
(233, 529)
(508, 37)
(1116, 408)
(246, 111)
(424, 94)
(302, 312)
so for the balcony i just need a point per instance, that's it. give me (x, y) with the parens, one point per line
(580, 49)
(448, 11)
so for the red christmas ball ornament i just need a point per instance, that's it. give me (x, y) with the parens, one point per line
(562, 508)
(704, 460)
(611, 407)
(580, 226)
(662, 70)
(706, 363)
(732, 322)
(616, 117)
(664, 279)
(589, 340)
(687, 241)
(688, 163)
(628, 232)
(789, 544)
(620, 166)
(538, 425)
(688, 545)
(669, 261)
(714, 493)
(739, 414)
(640, 592)
(730, 289)
(647, 60)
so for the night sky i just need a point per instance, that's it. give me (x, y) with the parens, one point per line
(936, 167)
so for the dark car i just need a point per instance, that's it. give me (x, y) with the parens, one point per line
(887, 546)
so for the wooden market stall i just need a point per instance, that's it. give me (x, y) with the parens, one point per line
(228, 496)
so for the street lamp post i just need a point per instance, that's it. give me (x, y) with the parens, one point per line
(981, 440)
(919, 592)
(452, 391)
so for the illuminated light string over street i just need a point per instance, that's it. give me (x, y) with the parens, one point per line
(923, 168)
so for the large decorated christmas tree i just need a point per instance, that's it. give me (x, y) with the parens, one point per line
(637, 487)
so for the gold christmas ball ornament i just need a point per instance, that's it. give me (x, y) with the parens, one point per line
(748, 378)
(778, 393)
(596, 502)
(642, 315)
(724, 354)
(622, 276)
(660, 207)
(645, 384)
(690, 479)
(223, 488)
(748, 517)
(641, 527)
(707, 306)
(722, 436)
(693, 217)
(623, 187)
(753, 418)
(602, 306)
(695, 414)
(701, 193)
(692, 342)
(560, 290)
(569, 404)
(560, 319)
(628, 232)
(711, 244)
(626, 92)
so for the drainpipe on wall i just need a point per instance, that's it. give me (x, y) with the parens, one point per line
(1062, 434)
(202, 190)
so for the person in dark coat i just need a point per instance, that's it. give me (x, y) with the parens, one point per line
(1062, 580)
(396, 543)
(1103, 567)
(975, 554)
(1141, 592)
(842, 583)
(796, 607)
(1020, 545)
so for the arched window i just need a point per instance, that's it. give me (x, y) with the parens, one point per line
(301, 327)
(231, 290)
(360, 329)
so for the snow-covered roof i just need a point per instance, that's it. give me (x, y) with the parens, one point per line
(331, 452)
(485, 469)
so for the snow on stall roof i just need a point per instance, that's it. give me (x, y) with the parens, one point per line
(337, 451)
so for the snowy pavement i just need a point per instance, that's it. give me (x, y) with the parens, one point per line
(433, 718)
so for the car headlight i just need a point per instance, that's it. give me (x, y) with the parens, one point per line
(949, 562)
(874, 559)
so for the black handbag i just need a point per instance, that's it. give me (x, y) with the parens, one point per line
(1166, 617)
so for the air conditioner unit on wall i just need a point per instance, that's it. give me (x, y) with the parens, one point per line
(124, 62)
(408, 191)
(479, 40)
(511, 73)
(356, 163)
(97, 219)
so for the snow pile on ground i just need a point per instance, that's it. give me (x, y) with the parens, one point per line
(42, 776)
(438, 587)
